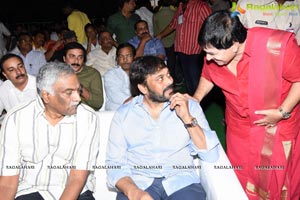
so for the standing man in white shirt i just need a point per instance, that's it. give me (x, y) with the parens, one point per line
(145, 11)
(276, 14)
(19, 86)
(5, 37)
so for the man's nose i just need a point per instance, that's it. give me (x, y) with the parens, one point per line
(76, 95)
(208, 57)
(18, 71)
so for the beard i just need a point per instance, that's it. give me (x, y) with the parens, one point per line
(160, 98)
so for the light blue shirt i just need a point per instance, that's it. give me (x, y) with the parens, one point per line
(143, 148)
(33, 61)
(153, 47)
(117, 88)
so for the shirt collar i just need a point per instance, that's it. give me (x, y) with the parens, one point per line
(139, 102)
(40, 112)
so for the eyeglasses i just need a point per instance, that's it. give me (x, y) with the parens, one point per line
(125, 56)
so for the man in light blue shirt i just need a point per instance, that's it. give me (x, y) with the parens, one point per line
(116, 80)
(154, 137)
(144, 43)
(33, 59)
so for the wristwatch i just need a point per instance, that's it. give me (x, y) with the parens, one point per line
(285, 115)
(193, 123)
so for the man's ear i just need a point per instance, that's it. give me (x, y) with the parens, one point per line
(235, 47)
(45, 96)
(4, 75)
(142, 88)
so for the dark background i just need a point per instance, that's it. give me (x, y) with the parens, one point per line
(32, 11)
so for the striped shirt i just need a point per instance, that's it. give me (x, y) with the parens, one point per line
(42, 154)
(188, 26)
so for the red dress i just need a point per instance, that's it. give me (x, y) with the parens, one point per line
(264, 168)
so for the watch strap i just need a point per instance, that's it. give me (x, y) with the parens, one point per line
(285, 115)
(192, 124)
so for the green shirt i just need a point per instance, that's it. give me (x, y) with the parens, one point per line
(161, 19)
(121, 26)
(90, 78)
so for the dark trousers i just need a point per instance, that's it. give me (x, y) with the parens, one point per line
(191, 67)
(87, 195)
(192, 192)
(171, 62)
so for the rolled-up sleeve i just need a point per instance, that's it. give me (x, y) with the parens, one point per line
(211, 153)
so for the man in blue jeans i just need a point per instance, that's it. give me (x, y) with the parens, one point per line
(154, 137)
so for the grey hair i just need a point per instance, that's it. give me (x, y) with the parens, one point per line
(49, 74)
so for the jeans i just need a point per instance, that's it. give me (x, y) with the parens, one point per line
(191, 192)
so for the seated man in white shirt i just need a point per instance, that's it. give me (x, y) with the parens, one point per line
(116, 80)
(19, 86)
(48, 147)
(103, 58)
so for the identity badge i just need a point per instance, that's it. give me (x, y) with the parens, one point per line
(261, 22)
(180, 19)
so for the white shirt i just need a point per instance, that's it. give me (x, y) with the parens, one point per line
(97, 46)
(6, 32)
(33, 61)
(101, 61)
(11, 96)
(42, 154)
(117, 88)
(267, 13)
(54, 36)
(146, 15)
(15, 50)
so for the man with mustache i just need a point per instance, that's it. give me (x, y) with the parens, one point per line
(104, 57)
(33, 59)
(116, 80)
(19, 86)
(49, 146)
(144, 43)
(90, 79)
(153, 138)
